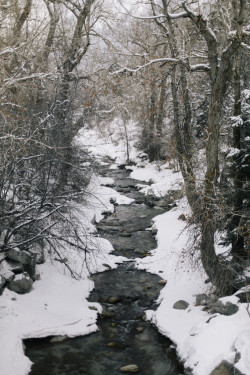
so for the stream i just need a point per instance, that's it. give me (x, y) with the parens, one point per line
(124, 337)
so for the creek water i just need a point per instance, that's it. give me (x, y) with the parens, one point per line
(124, 336)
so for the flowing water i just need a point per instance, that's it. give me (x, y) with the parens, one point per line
(124, 336)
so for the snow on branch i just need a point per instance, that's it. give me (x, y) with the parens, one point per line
(12, 81)
(161, 60)
(244, 45)
(200, 67)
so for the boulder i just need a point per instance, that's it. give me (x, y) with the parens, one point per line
(30, 268)
(18, 255)
(6, 272)
(218, 307)
(225, 368)
(21, 283)
(181, 305)
(14, 266)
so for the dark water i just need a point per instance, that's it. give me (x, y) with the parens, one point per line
(124, 337)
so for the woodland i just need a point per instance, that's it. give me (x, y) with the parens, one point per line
(178, 69)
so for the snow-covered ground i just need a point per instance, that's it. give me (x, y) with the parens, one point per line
(57, 304)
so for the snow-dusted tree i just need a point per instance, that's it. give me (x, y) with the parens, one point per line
(219, 44)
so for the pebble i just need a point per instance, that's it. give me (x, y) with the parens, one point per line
(130, 368)
(114, 299)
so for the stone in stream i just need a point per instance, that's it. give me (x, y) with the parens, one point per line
(114, 299)
(130, 368)
(139, 329)
(116, 344)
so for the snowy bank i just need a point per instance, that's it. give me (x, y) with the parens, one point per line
(57, 304)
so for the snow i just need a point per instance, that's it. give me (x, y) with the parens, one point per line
(57, 304)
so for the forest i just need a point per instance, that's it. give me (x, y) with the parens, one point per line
(177, 70)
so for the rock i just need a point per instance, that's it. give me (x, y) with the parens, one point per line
(162, 282)
(107, 314)
(218, 307)
(181, 305)
(56, 339)
(225, 368)
(201, 299)
(37, 276)
(18, 255)
(93, 308)
(21, 283)
(116, 344)
(182, 217)
(2, 282)
(114, 299)
(38, 253)
(139, 329)
(30, 268)
(14, 266)
(6, 272)
(130, 368)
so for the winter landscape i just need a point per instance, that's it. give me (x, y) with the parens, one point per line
(124, 187)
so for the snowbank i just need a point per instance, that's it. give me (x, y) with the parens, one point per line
(57, 304)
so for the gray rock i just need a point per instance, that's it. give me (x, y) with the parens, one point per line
(93, 308)
(218, 307)
(225, 368)
(14, 266)
(38, 253)
(130, 368)
(21, 283)
(6, 272)
(37, 276)
(181, 305)
(30, 268)
(2, 282)
(18, 255)
(202, 299)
